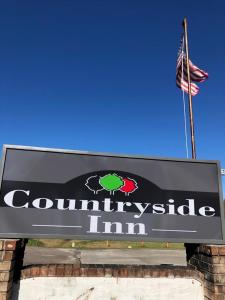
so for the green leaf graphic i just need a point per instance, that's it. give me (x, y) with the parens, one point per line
(111, 182)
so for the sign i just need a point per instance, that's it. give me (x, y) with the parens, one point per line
(81, 195)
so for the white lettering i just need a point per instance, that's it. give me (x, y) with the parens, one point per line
(171, 207)
(93, 224)
(107, 205)
(203, 210)
(9, 197)
(141, 209)
(141, 228)
(20, 199)
(120, 206)
(190, 207)
(61, 204)
(108, 227)
(85, 204)
(42, 203)
(158, 209)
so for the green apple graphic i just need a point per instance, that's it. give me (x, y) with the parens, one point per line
(111, 182)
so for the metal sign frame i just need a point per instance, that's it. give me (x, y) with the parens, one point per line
(108, 237)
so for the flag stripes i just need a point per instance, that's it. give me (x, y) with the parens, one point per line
(196, 74)
(183, 85)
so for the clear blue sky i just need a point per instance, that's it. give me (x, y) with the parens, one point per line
(100, 75)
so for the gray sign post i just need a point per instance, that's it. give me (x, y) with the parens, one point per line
(70, 194)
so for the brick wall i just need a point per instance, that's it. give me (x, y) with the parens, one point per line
(126, 271)
(210, 260)
(11, 261)
(205, 263)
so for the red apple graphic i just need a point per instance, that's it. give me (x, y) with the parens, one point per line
(130, 185)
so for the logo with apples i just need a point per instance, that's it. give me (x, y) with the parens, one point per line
(112, 183)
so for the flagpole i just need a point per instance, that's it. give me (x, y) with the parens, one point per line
(189, 92)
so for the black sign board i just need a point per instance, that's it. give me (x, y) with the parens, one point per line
(81, 195)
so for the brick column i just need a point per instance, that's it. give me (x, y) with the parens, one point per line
(210, 260)
(11, 260)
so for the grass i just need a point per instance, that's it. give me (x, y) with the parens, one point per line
(87, 244)
(35, 243)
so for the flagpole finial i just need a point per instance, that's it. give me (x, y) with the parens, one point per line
(184, 22)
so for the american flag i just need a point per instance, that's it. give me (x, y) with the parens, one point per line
(196, 74)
